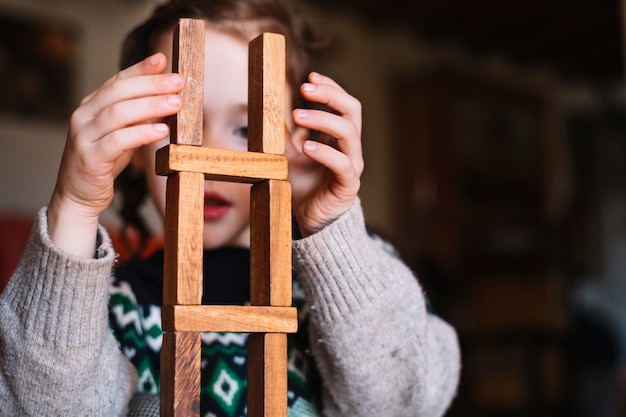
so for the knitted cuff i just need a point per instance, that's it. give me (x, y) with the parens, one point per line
(342, 269)
(60, 298)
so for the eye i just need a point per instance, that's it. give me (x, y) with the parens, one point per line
(242, 132)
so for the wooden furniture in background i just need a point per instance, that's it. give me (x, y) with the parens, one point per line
(187, 164)
(473, 196)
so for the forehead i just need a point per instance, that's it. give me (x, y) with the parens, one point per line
(225, 62)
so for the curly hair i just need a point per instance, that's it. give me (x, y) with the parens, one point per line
(305, 47)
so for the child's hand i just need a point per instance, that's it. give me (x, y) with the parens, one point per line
(325, 175)
(123, 114)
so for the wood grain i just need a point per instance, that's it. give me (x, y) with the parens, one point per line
(187, 164)
(188, 60)
(270, 227)
(266, 94)
(221, 164)
(238, 319)
(270, 244)
(183, 239)
(267, 367)
(180, 375)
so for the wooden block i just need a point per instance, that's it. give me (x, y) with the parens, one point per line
(267, 367)
(180, 375)
(186, 126)
(221, 164)
(236, 319)
(266, 167)
(183, 245)
(266, 94)
(270, 244)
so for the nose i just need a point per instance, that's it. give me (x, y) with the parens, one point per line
(209, 140)
(213, 138)
(224, 138)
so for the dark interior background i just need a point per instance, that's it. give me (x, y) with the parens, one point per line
(532, 281)
(578, 38)
(507, 196)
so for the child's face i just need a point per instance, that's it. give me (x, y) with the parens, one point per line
(227, 204)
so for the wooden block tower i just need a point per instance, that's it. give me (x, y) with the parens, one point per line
(187, 164)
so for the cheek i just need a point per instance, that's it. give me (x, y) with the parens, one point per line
(243, 195)
(239, 193)
(156, 186)
(156, 183)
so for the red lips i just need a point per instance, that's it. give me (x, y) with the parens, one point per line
(215, 206)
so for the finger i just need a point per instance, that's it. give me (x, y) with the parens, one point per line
(324, 90)
(132, 112)
(345, 174)
(347, 137)
(141, 79)
(120, 142)
(317, 78)
(154, 64)
(124, 90)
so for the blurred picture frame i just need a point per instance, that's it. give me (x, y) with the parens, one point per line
(38, 66)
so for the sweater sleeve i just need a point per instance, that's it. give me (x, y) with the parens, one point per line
(57, 354)
(378, 350)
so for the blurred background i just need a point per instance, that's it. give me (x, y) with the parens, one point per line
(495, 147)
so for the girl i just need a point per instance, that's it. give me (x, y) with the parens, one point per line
(366, 346)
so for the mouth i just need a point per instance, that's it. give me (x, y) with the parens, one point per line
(215, 206)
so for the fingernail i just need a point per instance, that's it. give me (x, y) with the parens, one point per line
(160, 127)
(310, 145)
(315, 76)
(173, 100)
(154, 60)
(301, 113)
(176, 80)
(308, 87)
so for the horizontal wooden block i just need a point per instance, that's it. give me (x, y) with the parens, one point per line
(221, 164)
(237, 319)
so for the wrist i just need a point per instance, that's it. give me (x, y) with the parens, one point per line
(307, 230)
(72, 228)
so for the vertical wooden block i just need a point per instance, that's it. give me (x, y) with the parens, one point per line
(184, 224)
(270, 234)
(267, 367)
(270, 244)
(180, 374)
(266, 94)
(270, 227)
(186, 126)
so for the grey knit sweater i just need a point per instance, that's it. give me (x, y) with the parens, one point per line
(379, 352)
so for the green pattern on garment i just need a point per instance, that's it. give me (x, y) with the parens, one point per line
(225, 387)
(223, 392)
(302, 408)
(147, 380)
(230, 349)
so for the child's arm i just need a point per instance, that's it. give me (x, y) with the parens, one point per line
(57, 354)
(325, 174)
(125, 113)
(377, 349)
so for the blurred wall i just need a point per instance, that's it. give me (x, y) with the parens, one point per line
(368, 62)
(30, 150)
